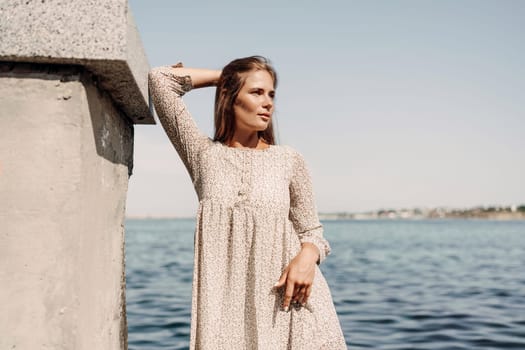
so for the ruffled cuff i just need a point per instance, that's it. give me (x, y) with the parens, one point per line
(315, 236)
(177, 83)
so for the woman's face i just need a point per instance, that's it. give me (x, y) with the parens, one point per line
(253, 106)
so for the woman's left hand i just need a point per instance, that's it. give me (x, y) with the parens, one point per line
(298, 276)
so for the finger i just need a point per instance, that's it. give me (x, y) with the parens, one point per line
(288, 295)
(298, 293)
(307, 294)
(281, 280)
(301, 295)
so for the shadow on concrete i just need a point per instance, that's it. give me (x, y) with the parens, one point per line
(113, 131)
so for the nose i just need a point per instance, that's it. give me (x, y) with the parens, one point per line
(268, 102)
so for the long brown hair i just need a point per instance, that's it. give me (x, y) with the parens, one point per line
(230, 83)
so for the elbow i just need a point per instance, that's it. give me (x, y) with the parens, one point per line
(155, 70)
(155, 74)
(152, 75)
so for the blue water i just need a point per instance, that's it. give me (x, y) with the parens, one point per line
(443, 284)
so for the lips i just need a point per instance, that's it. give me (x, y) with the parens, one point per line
(264, 115)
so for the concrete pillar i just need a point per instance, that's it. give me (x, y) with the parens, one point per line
(72, 84)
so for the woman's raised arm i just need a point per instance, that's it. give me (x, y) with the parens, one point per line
(167, 84)
(200, 77)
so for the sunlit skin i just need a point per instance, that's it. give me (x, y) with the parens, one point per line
(253, 108)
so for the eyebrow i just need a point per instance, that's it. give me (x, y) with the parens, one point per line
(260, 88)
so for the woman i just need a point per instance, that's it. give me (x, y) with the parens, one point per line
(258, 240)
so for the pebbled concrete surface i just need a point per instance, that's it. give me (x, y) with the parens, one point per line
(98, 34)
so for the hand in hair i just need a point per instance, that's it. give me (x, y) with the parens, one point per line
(199, 77)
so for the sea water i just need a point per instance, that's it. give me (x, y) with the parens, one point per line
(429, 284)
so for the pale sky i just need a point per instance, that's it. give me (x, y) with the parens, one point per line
(392, 103)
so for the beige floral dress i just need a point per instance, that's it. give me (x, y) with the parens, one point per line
(255, 209)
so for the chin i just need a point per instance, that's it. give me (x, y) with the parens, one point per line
(261, 126)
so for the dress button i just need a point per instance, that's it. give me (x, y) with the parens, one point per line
(241, 193)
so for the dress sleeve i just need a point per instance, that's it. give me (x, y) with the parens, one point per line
(166, 90)
(303, 211)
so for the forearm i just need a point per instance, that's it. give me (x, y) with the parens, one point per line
(165, 90)
(199, 77)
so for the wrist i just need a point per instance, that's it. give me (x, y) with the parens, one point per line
(216, 77)
(310, 250)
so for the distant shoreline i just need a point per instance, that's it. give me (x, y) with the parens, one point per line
(487, 213)
(325, 217)
(482, 213)
(330, 218)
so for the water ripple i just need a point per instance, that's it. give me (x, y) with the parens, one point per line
(396, 285)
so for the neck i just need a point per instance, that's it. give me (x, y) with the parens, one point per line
(246, 140)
